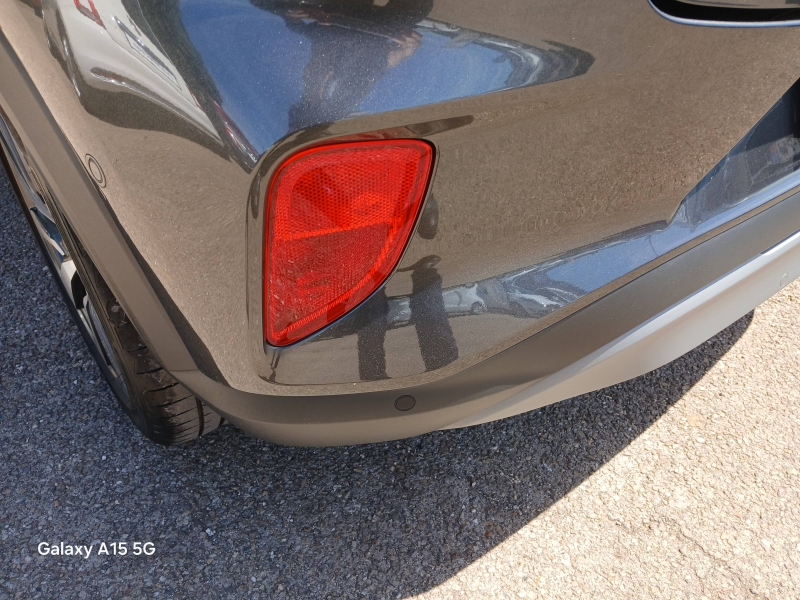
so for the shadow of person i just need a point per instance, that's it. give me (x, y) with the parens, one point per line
(429, 316)
(437, 344)
(398, 518)
(372, 338)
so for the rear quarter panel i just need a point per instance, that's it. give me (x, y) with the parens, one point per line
(527, 170)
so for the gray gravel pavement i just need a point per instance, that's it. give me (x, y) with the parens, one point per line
(682, 483)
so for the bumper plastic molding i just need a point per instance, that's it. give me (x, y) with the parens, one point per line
(663, 338)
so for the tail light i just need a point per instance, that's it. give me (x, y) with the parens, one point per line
(90, 11)
(339, 217)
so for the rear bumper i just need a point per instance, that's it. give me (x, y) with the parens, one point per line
(635, 242)
(639, 327)
(663, 338)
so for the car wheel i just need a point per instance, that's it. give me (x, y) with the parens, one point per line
(51, 43)
(161, 407)
(73, 71)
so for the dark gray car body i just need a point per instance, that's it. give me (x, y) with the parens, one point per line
(564, 209)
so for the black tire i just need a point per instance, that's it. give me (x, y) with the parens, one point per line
(162, 408)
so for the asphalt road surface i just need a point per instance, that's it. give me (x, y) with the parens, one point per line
(680, 484)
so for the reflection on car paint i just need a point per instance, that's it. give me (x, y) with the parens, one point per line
(760, 167)
(233, 87)
(107, 51)
(120, 53)
(349, 63)
(142, 49)
(352, 64)
(428, 309)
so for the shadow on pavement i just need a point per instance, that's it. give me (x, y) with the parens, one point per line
(244, 517)
(406, 516)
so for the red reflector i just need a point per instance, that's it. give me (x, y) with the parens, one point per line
(339, 218)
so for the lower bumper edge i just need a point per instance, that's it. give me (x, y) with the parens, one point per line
(635, 329)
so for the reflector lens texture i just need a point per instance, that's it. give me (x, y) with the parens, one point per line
(339, 218)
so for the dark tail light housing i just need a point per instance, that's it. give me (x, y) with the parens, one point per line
(338, 219)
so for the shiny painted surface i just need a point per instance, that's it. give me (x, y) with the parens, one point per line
(736, 13)
(761, 167)
(745, 3)
(563, 130)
